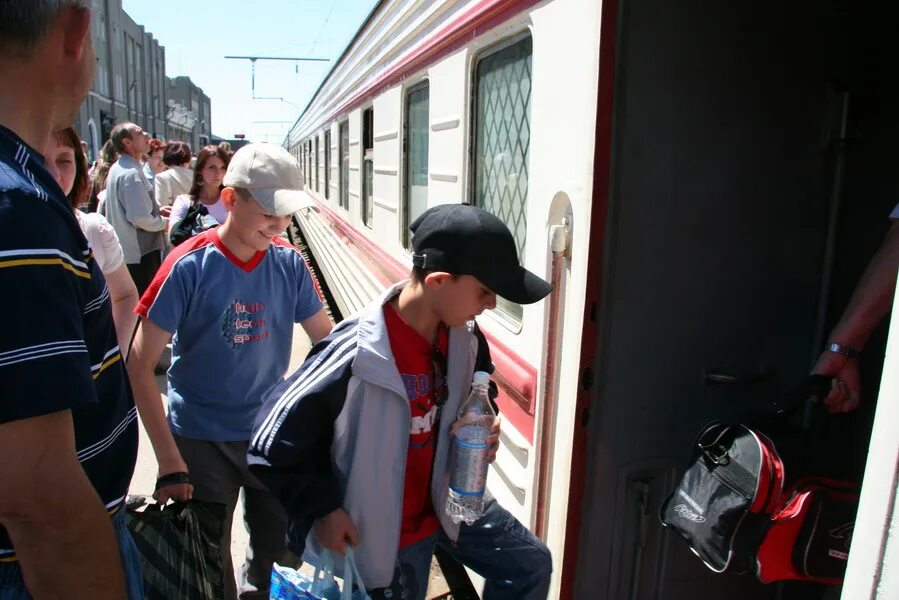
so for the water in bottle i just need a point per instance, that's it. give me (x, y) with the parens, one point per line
(468, 454)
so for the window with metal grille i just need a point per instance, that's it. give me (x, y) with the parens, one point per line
(344, 166)
(502, 132)
(415, 157)
(327, 164)
(368, 156)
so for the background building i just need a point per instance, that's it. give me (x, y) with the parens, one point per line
(190, 113)
(130, 84)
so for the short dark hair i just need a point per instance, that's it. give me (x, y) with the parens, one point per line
(121, 132)
(24, 22)
(176, 154)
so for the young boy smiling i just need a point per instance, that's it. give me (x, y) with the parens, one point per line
(230, 297)
(355, 443)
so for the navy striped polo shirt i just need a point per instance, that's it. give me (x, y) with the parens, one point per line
(58, 348)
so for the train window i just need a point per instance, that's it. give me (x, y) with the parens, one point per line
(415, 157)
(368, 157)
(309, 159)
(316, 164)
(327, 142)
(344, 166)
(502, 131)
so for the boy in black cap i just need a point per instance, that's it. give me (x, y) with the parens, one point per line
(354, 445)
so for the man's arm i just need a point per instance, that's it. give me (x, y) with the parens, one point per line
(149, 342)
(62, 535)
(869, 304)
(137, 203)
(318, 326)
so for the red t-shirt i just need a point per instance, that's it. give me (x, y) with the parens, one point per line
(413, 355)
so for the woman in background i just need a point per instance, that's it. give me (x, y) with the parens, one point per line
(64, 159)
(154, 165)
(212, 162)
(177, 179)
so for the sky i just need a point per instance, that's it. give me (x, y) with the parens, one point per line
(198, 35)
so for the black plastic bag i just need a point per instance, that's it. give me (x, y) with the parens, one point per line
(179, 548)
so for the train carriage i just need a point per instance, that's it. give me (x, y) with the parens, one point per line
(703, 183)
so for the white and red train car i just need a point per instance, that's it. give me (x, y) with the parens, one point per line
(702, 181)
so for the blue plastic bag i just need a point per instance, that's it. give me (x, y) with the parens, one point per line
(290, 584)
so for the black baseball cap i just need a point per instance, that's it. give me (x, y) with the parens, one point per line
(466, 240)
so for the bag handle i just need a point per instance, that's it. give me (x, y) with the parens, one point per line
(813, 386)
(351, 575)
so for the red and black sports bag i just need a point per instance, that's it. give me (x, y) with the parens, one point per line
(809, 537)
(731, 509)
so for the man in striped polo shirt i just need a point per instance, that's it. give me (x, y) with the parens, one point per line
(68, 430)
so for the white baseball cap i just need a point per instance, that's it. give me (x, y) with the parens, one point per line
(271, 175)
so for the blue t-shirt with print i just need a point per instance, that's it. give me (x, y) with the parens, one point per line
(232, 324)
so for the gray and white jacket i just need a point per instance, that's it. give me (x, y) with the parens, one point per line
(336, 434)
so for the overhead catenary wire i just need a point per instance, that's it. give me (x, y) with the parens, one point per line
(324, 24)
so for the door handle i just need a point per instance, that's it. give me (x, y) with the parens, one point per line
(718, 377)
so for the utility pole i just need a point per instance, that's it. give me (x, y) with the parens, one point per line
(253, 60)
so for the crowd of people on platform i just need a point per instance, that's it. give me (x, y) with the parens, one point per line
(95, 290)
(325, 458)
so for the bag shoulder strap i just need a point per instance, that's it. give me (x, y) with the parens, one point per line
(483, 362)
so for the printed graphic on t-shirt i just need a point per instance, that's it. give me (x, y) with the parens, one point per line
(424, 412)
(244, 322)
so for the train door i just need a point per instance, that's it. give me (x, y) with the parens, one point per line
(729, 136)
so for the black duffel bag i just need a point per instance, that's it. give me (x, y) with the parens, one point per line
(723, 502)
(731, 508)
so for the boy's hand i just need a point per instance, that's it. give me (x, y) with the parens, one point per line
(493, 441)
(176, 491)
(334, 530)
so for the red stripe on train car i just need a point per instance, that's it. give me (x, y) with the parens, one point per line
(516, 379)
(456, 33)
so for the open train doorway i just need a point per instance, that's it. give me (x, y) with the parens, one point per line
(752, 173)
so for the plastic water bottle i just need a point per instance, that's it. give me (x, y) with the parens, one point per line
(468, 454)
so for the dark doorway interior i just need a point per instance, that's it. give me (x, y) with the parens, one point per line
(726, 143)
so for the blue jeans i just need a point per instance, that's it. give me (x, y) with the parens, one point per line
(13, 588)
(514, 562)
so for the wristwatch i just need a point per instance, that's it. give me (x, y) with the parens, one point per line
(841, 349)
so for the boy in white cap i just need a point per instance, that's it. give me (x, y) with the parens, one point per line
(230, 297)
